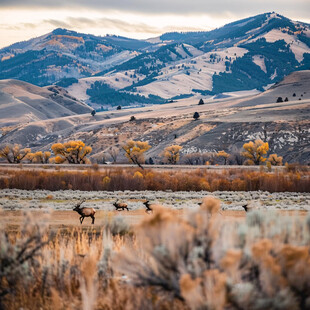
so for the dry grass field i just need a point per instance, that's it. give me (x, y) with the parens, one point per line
(197, 249)
(196, 258)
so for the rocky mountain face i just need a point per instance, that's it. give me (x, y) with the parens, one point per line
(109, 71)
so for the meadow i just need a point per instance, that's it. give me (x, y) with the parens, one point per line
(196, 258)
(180, 256)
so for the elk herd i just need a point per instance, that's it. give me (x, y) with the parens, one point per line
(119, 206)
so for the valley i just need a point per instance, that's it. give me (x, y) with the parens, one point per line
(163, 173)
(224, 124)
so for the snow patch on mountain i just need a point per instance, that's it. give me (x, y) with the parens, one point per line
(118, 59)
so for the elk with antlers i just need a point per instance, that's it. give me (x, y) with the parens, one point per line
(120, 206)
(85, 212)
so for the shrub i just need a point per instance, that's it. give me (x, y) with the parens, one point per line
(294, 179)
(275, 160)
(262, 263)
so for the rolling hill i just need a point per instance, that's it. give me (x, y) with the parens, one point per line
(21, 103)
(224, 124)
(105, 72)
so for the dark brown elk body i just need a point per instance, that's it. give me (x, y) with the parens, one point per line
(148, 206)
(85, 212)
(120, 206)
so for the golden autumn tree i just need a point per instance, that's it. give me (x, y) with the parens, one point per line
(14, 153)
(255, 152)
(73, 152)
(224, 155)
(134, 151)
(275, 160)
(39, 157)
(172, 154)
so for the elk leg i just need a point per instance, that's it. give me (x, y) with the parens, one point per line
(82, 219)
(93, 220)
(127, 209)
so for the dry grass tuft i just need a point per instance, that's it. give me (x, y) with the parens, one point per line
(211, 205)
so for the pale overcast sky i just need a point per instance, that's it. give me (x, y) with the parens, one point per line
(24, 19)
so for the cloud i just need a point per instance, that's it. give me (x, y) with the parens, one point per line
(19, 26)
(109, 23)
(221, 8)
(112, 24)
(56, 23)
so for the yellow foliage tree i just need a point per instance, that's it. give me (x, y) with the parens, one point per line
(224, 155)
(255, 152)
(275, 160)
(14, 153)
(134, 151)
(73, 152)
(172, 154)
(39, 157)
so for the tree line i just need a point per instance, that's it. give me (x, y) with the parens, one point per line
(76, 152)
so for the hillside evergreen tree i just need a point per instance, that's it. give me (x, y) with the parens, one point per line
(196, 116)
(93, 112)
(279, 99)
(119, 108)
(200, 102)
(286, 99)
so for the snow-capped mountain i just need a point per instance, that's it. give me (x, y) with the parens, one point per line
(106, 71)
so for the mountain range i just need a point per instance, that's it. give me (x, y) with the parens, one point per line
(108, 71)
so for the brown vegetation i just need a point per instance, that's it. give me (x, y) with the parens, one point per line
(193, 261)
(294, 180)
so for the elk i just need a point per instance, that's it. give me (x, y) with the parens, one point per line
(252, 205)
(245, 207)
(120, 206)
(85, 212)
(148, 206)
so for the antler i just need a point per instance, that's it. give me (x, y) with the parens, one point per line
(79, 204)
